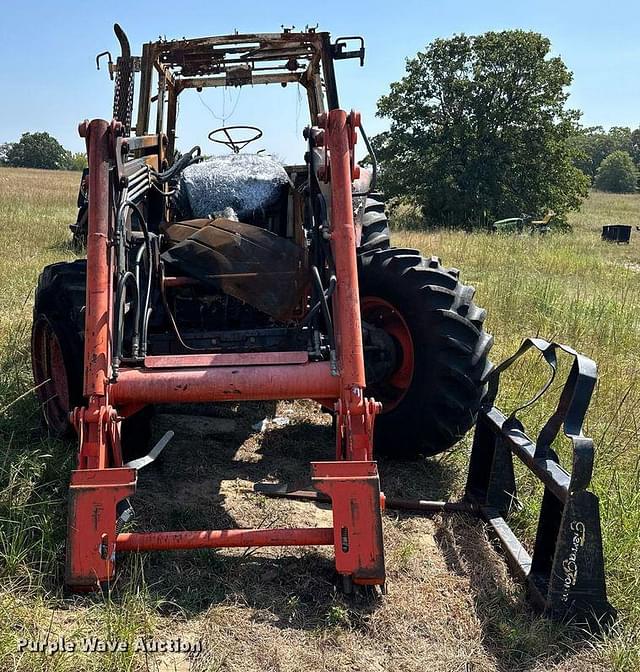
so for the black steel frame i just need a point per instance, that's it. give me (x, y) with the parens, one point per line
(565, 574)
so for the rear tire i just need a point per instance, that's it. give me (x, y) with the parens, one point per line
(375, 225)
(57, 356)
(433, 397)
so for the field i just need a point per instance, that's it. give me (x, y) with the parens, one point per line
(451, 605)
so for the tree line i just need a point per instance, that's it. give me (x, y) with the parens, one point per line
(40, 150)
(480, 130)
(610, 158)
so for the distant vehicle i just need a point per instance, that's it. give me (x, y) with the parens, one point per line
(524, 224)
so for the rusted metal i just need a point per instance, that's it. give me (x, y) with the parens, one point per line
(354, 489)
(247, 262)
(124, 84)
(381, 314)
(91, 531)
(238, 60)
(386, 503)
(97, 349)
(224, 359)
(355, 413)
(181, 540)
(144, 99)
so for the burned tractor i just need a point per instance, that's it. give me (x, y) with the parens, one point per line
(235, 278)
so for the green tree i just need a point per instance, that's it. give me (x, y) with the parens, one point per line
(37, 150)
(479, 130)
(76, 161)
(617, 173)
(5, 147)
(634, 148)
(593, 144)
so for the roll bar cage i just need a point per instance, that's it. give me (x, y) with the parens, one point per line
(305, 58)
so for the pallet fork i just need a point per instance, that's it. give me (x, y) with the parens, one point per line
(565, 575)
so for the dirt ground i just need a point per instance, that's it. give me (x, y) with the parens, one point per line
(450, 606)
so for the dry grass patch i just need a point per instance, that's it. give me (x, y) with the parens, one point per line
(451, 605)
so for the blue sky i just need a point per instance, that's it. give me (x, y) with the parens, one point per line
(49, 81)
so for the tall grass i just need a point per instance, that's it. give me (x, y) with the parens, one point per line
(575, 289)
(35, 209)
(569, 287)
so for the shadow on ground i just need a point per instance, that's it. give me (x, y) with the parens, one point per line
(516, 635)
(203, 481)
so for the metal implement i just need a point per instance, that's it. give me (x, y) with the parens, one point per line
(153, 454)
(352, 483)
(565, 574)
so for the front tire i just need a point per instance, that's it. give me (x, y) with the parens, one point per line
(57, 356)
(432, 397)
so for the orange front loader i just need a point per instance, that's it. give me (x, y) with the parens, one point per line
(236, 278)
(101, 481)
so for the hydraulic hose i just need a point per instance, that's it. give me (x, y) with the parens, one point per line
(192, 156)
(324, 304)
(374, 164)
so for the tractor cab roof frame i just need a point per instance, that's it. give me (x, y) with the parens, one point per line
(305, 58)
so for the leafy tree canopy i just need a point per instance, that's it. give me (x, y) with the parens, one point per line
(479, 130)
(76, 161)
(617, 173)
(36, 150)
(593, 144)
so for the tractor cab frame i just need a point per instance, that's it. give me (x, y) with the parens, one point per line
(306, 58)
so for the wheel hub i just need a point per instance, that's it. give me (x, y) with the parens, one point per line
(388, 351)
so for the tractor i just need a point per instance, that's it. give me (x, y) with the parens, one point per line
(234, 278)
(524, 224)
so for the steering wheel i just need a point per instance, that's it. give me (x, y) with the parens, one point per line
(230, 142)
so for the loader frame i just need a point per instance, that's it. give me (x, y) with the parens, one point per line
(101, 480)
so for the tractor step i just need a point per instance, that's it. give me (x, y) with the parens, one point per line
(152, 455)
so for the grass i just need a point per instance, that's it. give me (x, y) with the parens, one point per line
(451, 604)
